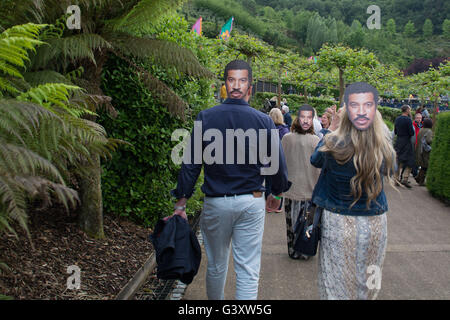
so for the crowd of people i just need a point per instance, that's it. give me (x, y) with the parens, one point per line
(335, 163)
(412, 145)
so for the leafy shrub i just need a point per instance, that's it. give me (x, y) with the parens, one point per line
(438, 174)
(136, 183)
(389, 114)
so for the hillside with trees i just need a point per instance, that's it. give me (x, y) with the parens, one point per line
(410, 29)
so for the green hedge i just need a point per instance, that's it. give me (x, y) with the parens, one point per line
(294, 101)
(438, 174)
(136, 183)
(389, 114)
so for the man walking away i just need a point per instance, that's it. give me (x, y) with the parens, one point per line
(404, 130)
(234, 206)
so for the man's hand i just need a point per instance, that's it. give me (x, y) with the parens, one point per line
(273, 203)
(179, 212)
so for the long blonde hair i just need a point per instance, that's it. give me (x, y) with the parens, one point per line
(276, 116)
(371, 151)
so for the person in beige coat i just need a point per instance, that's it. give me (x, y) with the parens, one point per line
(298, 146)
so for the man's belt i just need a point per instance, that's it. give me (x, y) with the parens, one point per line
(256, 194)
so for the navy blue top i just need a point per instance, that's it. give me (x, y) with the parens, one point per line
(282, 130)
(287, 119)
(333, 190)
(230, 179)
(403, 126)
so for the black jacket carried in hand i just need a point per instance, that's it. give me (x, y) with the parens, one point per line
(178, 253)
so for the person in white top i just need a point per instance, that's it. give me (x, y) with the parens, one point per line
(317, 125)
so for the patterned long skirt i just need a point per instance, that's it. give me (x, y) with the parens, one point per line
(351, 256)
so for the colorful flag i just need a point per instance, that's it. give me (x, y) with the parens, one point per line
(197, 27)
(225, 33)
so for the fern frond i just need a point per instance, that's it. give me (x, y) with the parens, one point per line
(69, 49)
(166, 96)
(29, 30)
(7, 87)
(15, 44)
(21, 119)
(52, 95)
(13, 204)
(47, 76)
(20, 160)
(143, 12)
(165, 53)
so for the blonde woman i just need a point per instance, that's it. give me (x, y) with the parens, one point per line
(354, 157)
(278, 119)
(326, 121)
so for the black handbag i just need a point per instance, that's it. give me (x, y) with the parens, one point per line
(307, 233)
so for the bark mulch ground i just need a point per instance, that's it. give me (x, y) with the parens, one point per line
(106, 265)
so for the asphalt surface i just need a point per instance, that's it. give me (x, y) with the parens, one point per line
(417, 263)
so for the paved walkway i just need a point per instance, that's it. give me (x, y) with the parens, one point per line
(417, 263)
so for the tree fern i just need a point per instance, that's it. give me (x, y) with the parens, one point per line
(107, 25)
(42, 133)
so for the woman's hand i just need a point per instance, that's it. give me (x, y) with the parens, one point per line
(335, 117)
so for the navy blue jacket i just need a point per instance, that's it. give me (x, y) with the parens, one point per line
(282, 130)
(287, 119)
(232, 179)
(178, 253)
(333, 190)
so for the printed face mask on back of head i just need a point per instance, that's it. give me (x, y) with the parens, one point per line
(361, 103)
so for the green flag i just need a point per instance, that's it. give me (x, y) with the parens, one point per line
(225, 33)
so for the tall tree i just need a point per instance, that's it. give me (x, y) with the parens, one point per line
(409, 30)
(344, 58)
(391, 27)
(446, 29)
(427, 28)
(108, 27)
(42, 134)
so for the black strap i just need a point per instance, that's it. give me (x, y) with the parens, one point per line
(317, 216)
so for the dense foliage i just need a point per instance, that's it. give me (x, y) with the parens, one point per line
(44, 140)
(438, 174)
(136, 183)
(409, 29)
